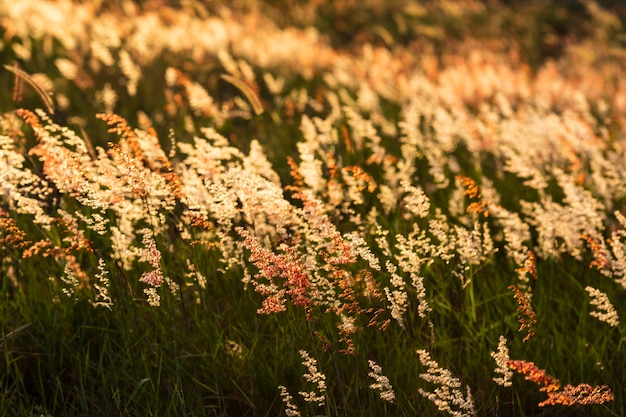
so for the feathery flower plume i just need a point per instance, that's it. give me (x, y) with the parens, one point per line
(415, 200)
(292, 409)
(107, 97)
(11, 236)
(69, 279)
(447, 396)
(617, 242)
(397, 296)
(279, 276)
(529, 268)
(101, 285)
(501, 356)
(532, 373)
(359, 246)
(607, 312)
(515, 231)
(472, 190)
(131, 71)
(155, 277)
(413, 252)
(440, 227)
(381, 382)
(314, 376)
(526, 317)
(469, 245)
(583, 394)
(601, 255)
(560, 226)
(418, 283)
(360, 180)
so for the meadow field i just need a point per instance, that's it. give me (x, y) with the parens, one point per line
(312, 208)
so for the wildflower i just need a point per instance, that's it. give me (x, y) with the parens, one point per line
(536, 375)
(10, 233)
(502, 357)
(515, 231)
(519, 161)
(559, 227)
(618, 250)
(96, 222)
(195, 275)
(418, 283)
(69, 279)
(397, 296)
(236, 353)
(583, 394)
(108, 97)
(288, 267)
(155, 277)
(200, 101)
(381, 382)
(274, 84)
(448, 396)
(410, 260)
(358, 245)
(314, 376)
(153, 298)
(439, 227)
(360, 127)
(526, 317)
(601, 256)
(101, 285)
(469, 245)
(387, 196)
(310, 167)
(606, 311)
(529, 268)
(258, 163)
(472, 190)
(355, 181)
(415, 201)
(67, 68)
(292, 409)
(131, 71)
(580, 394)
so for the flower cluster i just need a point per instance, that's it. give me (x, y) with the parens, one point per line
(583, 394)
(153, 278)
(447, 396)
(607, 312)
(381, 382)
(314, 376)
(291, 409)
(526, 317)
(532, 373)
(501, 356)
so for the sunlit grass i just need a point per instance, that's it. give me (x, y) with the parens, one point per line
(292, 208)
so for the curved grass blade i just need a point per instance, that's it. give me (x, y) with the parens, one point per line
(247, 91)
(13, 332)
(42, 93)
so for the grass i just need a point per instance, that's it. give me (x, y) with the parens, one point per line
(197, 198)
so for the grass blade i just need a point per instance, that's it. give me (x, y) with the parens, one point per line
(247, 91)
(42, 93)
(13, 332)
